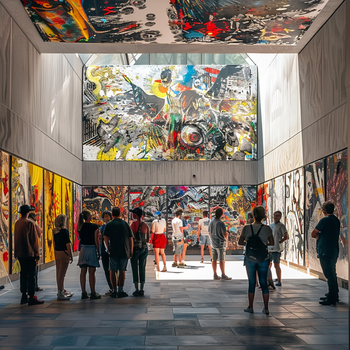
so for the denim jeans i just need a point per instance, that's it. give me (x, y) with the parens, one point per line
(105, 264)
(138, 265)
(27, 279)
(262, 269)
(328, 266)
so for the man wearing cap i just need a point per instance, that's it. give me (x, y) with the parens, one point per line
(27, 253)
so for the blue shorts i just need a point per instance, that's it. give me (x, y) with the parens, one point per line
(275, 257)
(205, 240)
(116, 264)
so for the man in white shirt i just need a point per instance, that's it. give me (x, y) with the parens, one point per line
(280, 235)
(178, 237)
(203, 235)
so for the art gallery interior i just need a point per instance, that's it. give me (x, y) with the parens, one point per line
(160, 104)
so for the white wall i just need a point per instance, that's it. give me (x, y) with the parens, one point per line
(40, 103)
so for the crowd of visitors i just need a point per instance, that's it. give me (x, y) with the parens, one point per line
(115, 242)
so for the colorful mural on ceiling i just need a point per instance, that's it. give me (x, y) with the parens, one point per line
(170, 113)
(197, 21)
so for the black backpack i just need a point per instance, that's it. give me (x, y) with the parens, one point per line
(256, 250)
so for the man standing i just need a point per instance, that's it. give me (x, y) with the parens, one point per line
(203, 234)
(280, 235)
(218, 235)
(178, 237)
(27, 253)
(119, 241)
(327, 235)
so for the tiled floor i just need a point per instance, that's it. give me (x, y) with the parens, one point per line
(183, 309)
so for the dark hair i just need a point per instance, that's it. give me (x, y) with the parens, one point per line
(259, 213)
(218, 213)
(115, 212)
(277, 211)
(178, 212)
(250, 215)
(205, 212)
(106, 212)
(328, 207)
(83, 216)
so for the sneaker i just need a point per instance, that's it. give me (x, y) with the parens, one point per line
(249, 310)
(327, 302)
(61, 296)
(272, 288)
(225, 277)
(69, 294)
(275, 280)
(164, 269)
(278, 284)
(122, 294)
(202, 261)
(136, 293)
(216, 277)
(85, 295)
(35, 301)
(24, 299)
(325, 298)
(266, 311)
(182, 264)
(95, 296)
(174, 264)
(142, 293)
(113, 294)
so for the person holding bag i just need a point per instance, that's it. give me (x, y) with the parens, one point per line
(139, 258)
(256, 237)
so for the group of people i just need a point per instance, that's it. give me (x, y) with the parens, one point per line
(115, 242)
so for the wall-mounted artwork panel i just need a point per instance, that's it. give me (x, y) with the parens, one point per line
(150, 199)
(97, 199)
(260, 195)
(294, 247)
(170, 113)
(268, 201)
(67, 206)
(337, 192)
(237, 202)
(314, 198)
(279, 197)
(4, 213)
(193, 200)
(77, 208)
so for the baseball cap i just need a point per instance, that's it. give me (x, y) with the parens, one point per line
(24, 209)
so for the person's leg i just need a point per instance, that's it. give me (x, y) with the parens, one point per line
(105, 264)
(31, 279)
(210, 252)
(278, 272)
(184, 248)
(92, 279)
(135, 268)
(222, 267)
(58, 270)
(83, 272)
(36, 277)
(121, 278)
(156, 257)
(251, 271)
(202, 251)
(23, 276)
(162, 253)
(142, 267)
(329, 270)
(262, 273)
(113, 279)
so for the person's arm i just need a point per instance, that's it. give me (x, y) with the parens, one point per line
(33, 239)
(241, 240)
(38, 230)
(270, 240)
(315, 233)
(147, 231)
(285, 237)
(131, 240)
(106, 239)
(70, 254)
(97, 242)
(199, 231)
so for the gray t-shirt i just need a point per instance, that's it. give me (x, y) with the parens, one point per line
(217, 230)
(264, 234)
(278, 233)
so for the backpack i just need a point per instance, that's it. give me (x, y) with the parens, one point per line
(140, 238)
(256, 250)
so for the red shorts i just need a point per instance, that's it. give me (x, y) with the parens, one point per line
(159, 240)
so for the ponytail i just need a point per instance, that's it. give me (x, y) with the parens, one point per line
(83, 216)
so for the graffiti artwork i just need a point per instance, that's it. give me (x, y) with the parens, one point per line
(294, 247)
(77, 207)
(170, 113)
(4, 213)
(278, 197)
(97, 199)
(150, 199)
(67, 206)
(237, 202)
(193, 201)
(314, 198)
(260, 195)
(337, 192)
(268, 201)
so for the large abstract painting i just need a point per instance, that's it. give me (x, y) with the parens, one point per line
(237, 202)
(170, 113)
(150, 199)
(171, 21)
(67, 206)
(77, 208)
(4, 213)
(294, 247)
(97, 199)
(337, 192)
(278, 197)
(268, 201)
(314, 198)
(193, 200)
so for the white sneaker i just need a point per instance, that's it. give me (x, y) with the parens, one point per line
(68, 294)
(61, 296)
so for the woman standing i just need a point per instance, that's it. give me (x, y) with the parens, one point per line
(89, 253)
(257, 237)
(139, 258)
(63, 254)
(159, 240)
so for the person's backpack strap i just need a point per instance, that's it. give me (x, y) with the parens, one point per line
(251, 227)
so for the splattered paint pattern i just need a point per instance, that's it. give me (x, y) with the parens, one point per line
(4, 212)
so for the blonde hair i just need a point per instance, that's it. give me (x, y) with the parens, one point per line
(83, 216)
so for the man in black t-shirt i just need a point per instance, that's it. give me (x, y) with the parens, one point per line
(327, 235)
(118, 238)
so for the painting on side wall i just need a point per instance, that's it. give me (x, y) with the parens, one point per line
(67, 206)
(97, 199)
(268, 201)
(150, 199)
(260, 195)
(237, 202)
(294, 247)
(314, 198)
(77, 208)
(193, 201)
(278, 197)
(4, 213)
(337, 192)
(170, 113)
